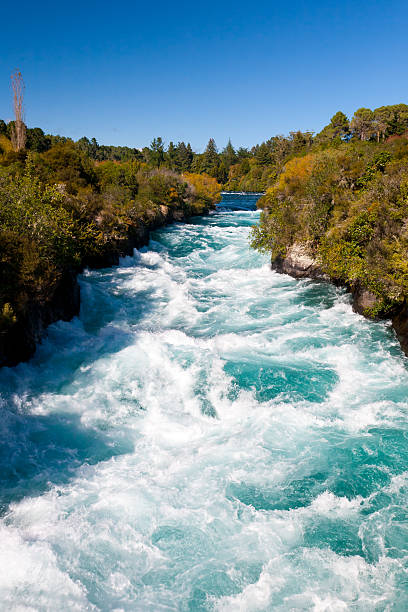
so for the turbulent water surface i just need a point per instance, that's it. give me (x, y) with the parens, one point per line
(208, 435)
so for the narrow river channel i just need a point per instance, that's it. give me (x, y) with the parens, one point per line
(207, 435)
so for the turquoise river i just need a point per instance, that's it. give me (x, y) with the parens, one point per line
(207, 435)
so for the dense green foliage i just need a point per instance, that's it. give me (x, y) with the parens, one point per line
(344, 197)
(343, 193)
(243, 169)
(60, 209)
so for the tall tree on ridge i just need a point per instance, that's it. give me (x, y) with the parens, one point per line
(362, 123)
(229, 156)
(210, 159)
(18, 130)
(171, 157)
(340, 124)
(184, 157)
(157, 151)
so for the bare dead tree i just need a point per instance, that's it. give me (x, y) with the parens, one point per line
(18, 131)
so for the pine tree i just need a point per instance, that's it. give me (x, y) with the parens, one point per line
(156, 154)
(210, 160)
(184, 156)
(171, 157)
(229, 156)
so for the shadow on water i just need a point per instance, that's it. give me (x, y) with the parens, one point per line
(108, 324)
(41, 451)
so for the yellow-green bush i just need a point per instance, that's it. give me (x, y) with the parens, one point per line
(349, 204)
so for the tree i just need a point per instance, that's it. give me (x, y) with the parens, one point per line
(400, 118)
(210, 158)
(65, 163)
(383, 117)
(184, 156)
(229, 157)
(221, 173)
(171, 157)
(37, 140)
(156, 155)
(18, 133)
(263, 154)
(243, 153)
(197, 164)
(362, 124)
(57, 139)
(205, 186)
(281, 147)
(340, 125)
(300, 141)
(89, 147)
(244, 166)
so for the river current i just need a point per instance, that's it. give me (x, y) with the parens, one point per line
(207, 435)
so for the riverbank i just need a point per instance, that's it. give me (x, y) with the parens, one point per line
(341, 214)
(299, 263)
(201, 417)
(19, 340)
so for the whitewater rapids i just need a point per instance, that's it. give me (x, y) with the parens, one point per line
(207, 435)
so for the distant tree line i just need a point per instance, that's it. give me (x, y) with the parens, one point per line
(241, 169)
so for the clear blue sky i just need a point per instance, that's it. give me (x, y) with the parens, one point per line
(125, 72)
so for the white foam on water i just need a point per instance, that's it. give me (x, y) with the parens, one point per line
(192, 442)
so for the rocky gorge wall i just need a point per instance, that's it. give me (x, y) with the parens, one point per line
(18, 343)
(299, 263)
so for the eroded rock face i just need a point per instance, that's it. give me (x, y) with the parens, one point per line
(164, 211)
(400, 325)
(19, 342)
(299, 264)
(363, 299)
